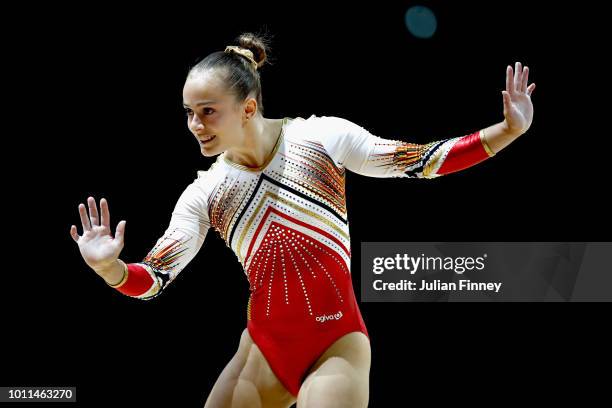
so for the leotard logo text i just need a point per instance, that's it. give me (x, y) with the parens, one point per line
(324, 318)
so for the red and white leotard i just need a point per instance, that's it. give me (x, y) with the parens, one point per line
(287, 224)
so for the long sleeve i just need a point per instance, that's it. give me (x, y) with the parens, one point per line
(361, 152)
(178, 245)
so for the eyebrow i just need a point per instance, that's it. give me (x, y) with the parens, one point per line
(200, 103)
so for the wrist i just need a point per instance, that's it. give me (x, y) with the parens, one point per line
(114, 274)
(509, 131)
(124, 275)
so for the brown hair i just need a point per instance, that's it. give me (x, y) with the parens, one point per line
(239, 73)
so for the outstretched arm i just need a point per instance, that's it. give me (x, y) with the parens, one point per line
(359, 151)
(145, 280)
(172, 252)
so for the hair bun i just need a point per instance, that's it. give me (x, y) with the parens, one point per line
(257, 44)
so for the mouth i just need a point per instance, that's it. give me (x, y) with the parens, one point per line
(208, 139)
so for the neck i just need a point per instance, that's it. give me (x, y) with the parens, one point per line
(260, 137)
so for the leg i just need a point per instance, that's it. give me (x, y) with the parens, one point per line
(248, 381)
(340, 378)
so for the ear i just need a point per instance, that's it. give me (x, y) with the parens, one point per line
(249, 109)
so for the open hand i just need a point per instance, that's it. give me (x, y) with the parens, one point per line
(518, 109)
(98, 247)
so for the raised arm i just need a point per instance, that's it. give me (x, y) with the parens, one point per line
(145, 280)
(361, 152)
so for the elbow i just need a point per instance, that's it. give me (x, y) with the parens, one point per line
(152, 293)
(150, 297)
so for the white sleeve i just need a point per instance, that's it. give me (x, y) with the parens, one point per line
(355, 148)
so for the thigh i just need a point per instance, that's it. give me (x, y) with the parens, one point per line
(340, 377)
(248, 381)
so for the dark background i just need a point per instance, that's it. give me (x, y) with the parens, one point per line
(99, 113)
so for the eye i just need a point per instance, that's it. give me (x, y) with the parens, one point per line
(207, 111)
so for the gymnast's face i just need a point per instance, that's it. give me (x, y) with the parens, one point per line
(214, 112)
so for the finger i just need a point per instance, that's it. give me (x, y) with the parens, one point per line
(509, 81)
(530, 89)
(525, 79)
(84, 218)
(74, 234)
(517, 76)
(120, 232)
(93, 211)
(105, 213)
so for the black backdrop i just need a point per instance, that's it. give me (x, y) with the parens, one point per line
(100, 114)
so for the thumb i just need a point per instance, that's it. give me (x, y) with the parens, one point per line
(120, 232)
(507, 102)
(506, 97)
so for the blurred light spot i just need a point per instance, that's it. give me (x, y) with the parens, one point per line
(421, 21)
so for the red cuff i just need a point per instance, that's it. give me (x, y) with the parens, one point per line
(139, 281)
(466, 152)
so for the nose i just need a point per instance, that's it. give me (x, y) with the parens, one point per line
(196, 124)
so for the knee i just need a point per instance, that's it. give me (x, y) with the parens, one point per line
(246, 395)
(334, 391)
(243, 394)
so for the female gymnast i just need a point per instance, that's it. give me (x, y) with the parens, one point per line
(276, 195)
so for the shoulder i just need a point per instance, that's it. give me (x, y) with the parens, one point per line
(216, 170)
(322, 121)
(322, 126)
(206, 180)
